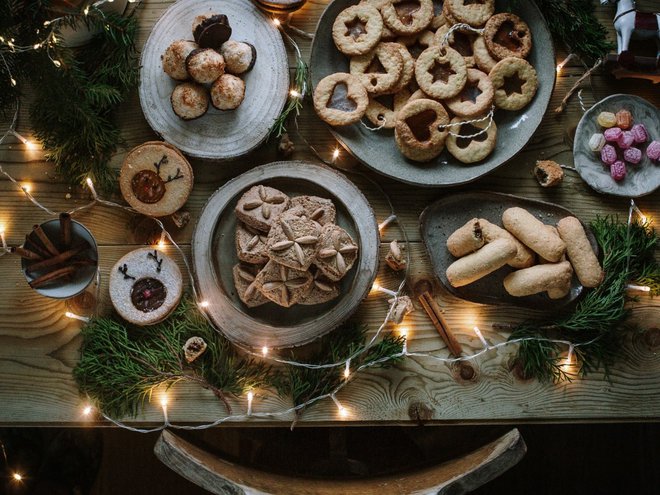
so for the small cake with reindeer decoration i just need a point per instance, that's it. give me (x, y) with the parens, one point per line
(156, 179)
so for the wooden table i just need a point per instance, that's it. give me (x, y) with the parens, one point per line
(39, 345)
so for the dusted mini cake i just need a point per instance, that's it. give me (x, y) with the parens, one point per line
(189, 101)
(156, 179)
(174, 59)
(145, 286)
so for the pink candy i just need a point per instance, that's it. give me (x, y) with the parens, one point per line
(618, 170)
(639, 133)
(608, 154)
(653, 150)
(613, 133)
(632, 155)
(626, 140)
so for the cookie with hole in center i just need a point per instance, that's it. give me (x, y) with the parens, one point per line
(156, 179)
(514, 82)
(475, 98)
(405, 19)
(379, 71)
(468, 149)
(507, 35)
(417, 131)
(473, 13)
(441, 72)
(340, 99)
(357, 29)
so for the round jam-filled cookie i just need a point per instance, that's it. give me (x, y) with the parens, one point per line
(211, 30)
(239, 56)
(382, 115)
(471, 150)
(174, 59)
(387, 56)
(460, 40)
(473, 13)
(475, 98)
(507, 35)
(408, 71)
(510, 68)
(408, 18)
(441, 72)
(228, 92)
(205, 65)
(145, 286)
(344, 110)
(357, 29)
(156, 179)
(417, 131)
(189, 100)
(417, 43)
(482, 57)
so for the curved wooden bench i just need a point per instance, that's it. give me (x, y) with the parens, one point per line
(457, 476)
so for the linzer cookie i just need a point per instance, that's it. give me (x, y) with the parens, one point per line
(292, 241)
(260, 206)
(463, 104)
(251, 244)
(441, 72)
(417, 132)
(156, 179)
(507, 35)
(357, 29)
(246, 286)
(283, 285)
(526, 74)
(472, 149)
(335, 252)
(344, 109)
(387, 56)
(406, 20)
(473, 13)
(145, 286)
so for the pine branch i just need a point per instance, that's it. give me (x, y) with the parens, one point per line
(597, 324)
(295, 101)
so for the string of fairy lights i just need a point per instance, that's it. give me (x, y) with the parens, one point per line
(88, 410)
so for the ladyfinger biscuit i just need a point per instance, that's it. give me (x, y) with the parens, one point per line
(560, 291)
(480, 263)
(580, 254)
(538, 278)
(466, 240)
(524, 257)
(533, 233)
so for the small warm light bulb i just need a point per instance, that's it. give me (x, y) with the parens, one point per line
(264, 351)
(86, 11)
(277, 22)
(204, 304)
(2, 229)
(13, 81)
(17, 476)
(569, 358)
(46, 23)
(347, 370)
(37, 46)
(335, 154)
(26, 188)
(57, 63)
(375, 287)
(30, 145)
(343, 412)
(403, 331)
(558, 69)
(164, 400)
(87, 410)
(250, 396)
(161, 244)
(294, 93)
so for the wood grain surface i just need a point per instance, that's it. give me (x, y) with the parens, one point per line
(39, 346)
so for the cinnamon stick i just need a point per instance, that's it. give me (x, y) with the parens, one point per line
(56, 260)
(25, 253)
(52, 276)
(65, 230)
(34, 246)
(50, 247)
(435, 314)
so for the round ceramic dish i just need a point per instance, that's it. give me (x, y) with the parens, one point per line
(641, 179)
(440, 219)
(214, 255)
(82, 277)
(216, 135)
(378, 150)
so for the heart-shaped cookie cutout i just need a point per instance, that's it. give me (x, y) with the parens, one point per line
(340, 99)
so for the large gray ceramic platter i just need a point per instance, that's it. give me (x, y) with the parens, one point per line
(378, 150)
(641, 179)
(214, 255)
(440, 219)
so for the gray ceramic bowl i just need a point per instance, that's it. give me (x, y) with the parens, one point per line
(82, 277)
(641, 179)
(378, 150)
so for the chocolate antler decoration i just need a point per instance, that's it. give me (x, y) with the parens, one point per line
(154, 255)
(178, 175)
(124, 271)
(161, 162)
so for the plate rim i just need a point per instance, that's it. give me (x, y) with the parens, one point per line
(401, 177)
(366, 228)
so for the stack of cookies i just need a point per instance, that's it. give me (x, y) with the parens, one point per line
(409, 73)
(208, 67)
(290, 248)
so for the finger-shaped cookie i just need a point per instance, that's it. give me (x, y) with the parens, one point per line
(580, 253)
(533, 233)
(357, 29)
(525, 257)
(539, 278)
(466, 239)
(349, 109)
(441, 72)
(505, 75)
(486, 260)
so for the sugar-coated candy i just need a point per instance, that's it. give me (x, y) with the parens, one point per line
(612, 134)
(624, 119)
(608, 154)
(596, 142)
(618, 170)
(632, 155)
(626, 140)
(639, 133)
(653, 150)
(606, 119)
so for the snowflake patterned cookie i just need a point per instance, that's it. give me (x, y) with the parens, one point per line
(260, 206)
(336, 252)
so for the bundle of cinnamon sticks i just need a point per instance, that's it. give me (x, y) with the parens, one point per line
(53, 260)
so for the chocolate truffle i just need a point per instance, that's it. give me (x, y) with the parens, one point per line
(239, 56)
(211, 31)
(205, 65)
(174, 59)
(227, 92)
(189, 100)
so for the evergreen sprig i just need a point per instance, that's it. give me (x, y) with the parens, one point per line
(121, 364)
(74, 105)
(597, 325)
(295, 102)
(304, 384)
